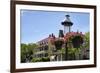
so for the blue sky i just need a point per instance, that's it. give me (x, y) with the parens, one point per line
(37, 25)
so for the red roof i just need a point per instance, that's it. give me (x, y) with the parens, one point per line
(65, 38)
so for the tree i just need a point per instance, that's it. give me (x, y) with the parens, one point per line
(87, 39)
(23, 52)
(31, 49)
(27, 51)
(86, 46)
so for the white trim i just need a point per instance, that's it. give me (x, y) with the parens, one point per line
(51, 64)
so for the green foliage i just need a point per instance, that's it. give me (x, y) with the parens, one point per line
(23, 52)
(27, 50)
(79, 43)
(87, 40)
(72, 53)
(63, 50)
(45, 59)
(73, 50)
(36, 60)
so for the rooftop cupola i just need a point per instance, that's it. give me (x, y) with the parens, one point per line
(67, 24)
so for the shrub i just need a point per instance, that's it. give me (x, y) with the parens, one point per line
(40, 59)
(45, 59)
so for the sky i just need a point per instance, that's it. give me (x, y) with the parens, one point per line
(37, 25)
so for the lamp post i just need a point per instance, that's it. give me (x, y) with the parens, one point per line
(67, 28)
